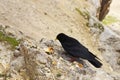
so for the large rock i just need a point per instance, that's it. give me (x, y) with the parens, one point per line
(39, 65)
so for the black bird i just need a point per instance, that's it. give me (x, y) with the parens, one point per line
(77, 50)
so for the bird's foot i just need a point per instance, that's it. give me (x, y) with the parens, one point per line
(72, 59)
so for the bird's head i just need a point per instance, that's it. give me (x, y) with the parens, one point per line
(61, 37)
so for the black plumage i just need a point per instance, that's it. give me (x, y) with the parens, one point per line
(77, 50)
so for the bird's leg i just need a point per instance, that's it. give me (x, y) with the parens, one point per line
(79, 63)
(72, 59)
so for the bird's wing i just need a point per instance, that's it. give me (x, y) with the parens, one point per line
(78, 50)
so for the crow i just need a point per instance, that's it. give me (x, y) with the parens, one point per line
(74, 48)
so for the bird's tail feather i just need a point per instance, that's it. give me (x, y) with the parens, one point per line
(95, 63)
(94, 56)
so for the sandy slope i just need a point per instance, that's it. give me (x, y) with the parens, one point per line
(46, 18)
(115, 8)
(41, 18)
(115, 11)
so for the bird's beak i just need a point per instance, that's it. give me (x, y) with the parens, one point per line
(56, 39)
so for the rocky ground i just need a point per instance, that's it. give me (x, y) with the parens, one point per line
(36, 24)
(31, 60)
